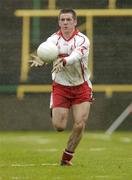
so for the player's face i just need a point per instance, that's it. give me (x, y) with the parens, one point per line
(67, 23)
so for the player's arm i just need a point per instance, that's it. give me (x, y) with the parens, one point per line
(81, 50)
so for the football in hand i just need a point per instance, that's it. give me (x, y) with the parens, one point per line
(47, 51)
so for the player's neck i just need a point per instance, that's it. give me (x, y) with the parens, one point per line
(67, 34)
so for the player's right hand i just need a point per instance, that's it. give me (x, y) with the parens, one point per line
(36, 61)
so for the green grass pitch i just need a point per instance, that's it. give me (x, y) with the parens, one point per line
(36, 155)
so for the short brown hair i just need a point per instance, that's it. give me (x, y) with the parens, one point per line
(68, 10)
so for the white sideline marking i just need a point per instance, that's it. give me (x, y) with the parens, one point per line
(101, 137)
(16, 177)
(43, 141)
(47, 150)
(28, 165)
(23, 165)
(49, 164)
(102, 176)
(97, 149)
(125, 140)
(106, 176)
(32, 139)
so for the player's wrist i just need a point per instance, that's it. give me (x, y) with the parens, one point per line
(64, 61)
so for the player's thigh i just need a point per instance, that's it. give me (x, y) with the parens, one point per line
(60, 116)
(81, 112)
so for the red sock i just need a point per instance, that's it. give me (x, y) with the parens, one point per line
(67, 155)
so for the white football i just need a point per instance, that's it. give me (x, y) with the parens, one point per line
(47, 51)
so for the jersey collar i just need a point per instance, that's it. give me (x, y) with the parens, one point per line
(75, 32)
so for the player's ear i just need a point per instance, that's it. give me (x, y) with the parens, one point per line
(59, 23)
(75, 22)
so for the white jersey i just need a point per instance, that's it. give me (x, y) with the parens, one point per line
(75, 51)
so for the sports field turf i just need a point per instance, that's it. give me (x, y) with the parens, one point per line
(36, 155)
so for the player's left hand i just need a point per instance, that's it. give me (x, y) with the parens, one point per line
(58, 65)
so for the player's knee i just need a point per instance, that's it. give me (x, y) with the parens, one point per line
(59, 128)
(79, 126)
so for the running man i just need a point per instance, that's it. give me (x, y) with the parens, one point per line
(71, 88)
